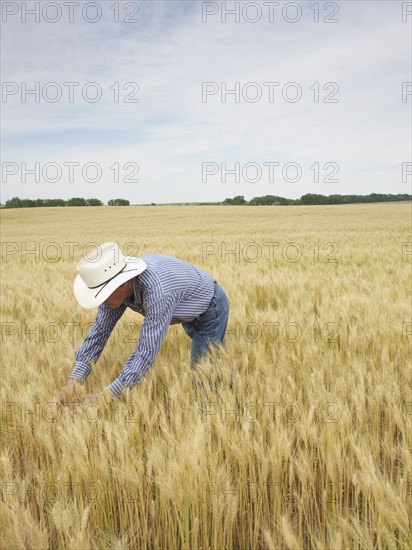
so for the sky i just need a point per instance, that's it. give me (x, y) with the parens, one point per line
(191, 101)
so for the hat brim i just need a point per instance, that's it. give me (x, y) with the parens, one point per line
(91, 297)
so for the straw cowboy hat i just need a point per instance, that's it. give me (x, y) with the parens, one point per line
(101, 272)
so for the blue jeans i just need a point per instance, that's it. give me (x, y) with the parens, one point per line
(210, 327)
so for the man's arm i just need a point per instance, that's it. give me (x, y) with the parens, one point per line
(93, 345)
(152, 333)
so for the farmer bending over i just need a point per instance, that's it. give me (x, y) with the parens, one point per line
(165, 290)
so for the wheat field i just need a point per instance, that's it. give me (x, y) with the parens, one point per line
(301, 436)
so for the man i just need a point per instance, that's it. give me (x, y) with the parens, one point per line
(165, 290)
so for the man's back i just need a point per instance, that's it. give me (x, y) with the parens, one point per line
(165, 274)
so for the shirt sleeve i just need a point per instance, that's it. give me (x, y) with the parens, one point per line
(152, 333)
(89, 352)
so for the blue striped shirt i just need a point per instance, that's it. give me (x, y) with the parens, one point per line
(169, 291)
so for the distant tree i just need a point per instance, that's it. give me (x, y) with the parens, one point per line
(15, 202)
(28, 203)
(57, 202)
(94, 202)
(118, 202)
(76, 201)
(312, 198)
(238, 200)
(269, 200)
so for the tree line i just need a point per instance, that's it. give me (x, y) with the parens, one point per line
(312, 198)
(15, 202)
(309, 198)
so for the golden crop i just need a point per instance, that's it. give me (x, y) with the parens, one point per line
(301, 440)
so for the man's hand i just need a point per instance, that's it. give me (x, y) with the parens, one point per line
(103, 398)
(72, 392)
